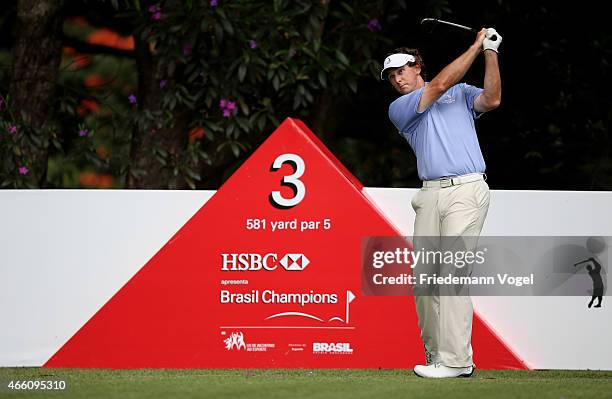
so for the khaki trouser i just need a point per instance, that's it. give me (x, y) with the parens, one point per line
(446, 320)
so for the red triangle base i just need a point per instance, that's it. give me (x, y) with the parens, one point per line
(183, 310)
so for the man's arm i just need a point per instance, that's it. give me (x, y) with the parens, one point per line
(452, 73)
(490, 98)
(597, 265)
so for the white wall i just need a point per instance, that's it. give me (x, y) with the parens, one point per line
(64, 253)
(546, 332)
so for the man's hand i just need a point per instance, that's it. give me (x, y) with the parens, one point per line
(490, 44)
(480, 37)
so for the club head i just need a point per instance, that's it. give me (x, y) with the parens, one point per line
(428, 24)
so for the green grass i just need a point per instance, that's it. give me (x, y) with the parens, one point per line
(311, 384)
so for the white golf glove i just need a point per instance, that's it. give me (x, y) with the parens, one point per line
(488, 43)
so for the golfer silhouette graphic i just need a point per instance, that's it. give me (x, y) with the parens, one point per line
(594, 269)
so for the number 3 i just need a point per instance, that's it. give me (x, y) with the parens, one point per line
(291, 181)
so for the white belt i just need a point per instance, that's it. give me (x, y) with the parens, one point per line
(444, 182)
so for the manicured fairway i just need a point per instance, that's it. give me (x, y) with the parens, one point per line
(311, 384)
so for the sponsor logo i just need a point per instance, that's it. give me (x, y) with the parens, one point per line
(447, 99)
(297, 347)
(324, 348)
(294, 262)
(236, 342)
(269, 262)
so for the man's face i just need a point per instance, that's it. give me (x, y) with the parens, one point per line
(405, 79)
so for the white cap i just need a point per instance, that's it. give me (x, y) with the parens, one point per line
(396, 61)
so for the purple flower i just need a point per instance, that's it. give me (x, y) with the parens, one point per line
(23, 170)
(83, 133)
(12, 129)
(228, 107)
(214, 3)
(156, 12)
(253, 44)
(374, 25)
(162, 83)
(187, 48)
(132, 99)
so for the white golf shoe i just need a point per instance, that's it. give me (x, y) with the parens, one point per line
(438, 370)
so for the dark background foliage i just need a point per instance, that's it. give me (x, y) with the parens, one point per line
(135, 94)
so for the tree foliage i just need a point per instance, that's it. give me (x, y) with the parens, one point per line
(227, 72)
(175, 94)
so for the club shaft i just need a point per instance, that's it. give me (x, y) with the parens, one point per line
(583, 262)
(440, 21)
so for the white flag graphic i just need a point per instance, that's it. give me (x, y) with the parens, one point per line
(349, 298)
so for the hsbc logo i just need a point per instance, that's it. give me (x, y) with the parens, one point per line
(269, 262)
(294, 262)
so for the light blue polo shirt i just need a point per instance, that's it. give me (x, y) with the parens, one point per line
(443, 137)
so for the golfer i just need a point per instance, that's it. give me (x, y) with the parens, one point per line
(437, 120)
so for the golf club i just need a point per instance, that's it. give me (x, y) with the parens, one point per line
(434, 21)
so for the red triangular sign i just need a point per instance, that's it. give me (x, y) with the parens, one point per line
(226, 290)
